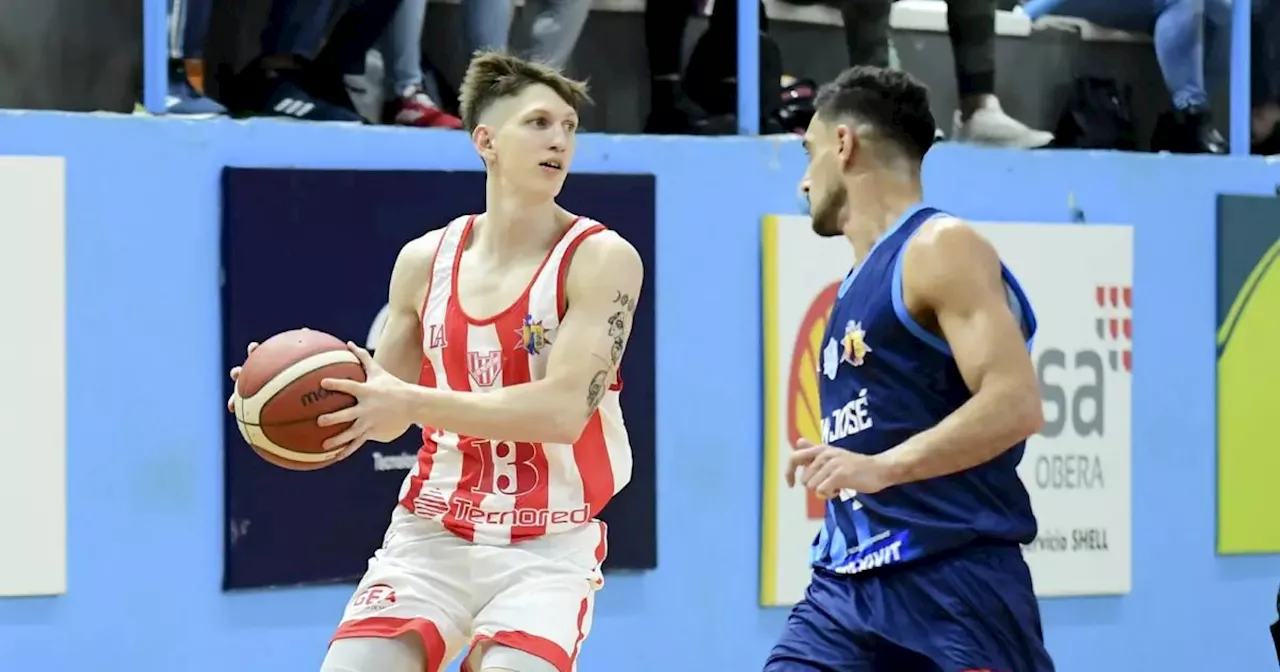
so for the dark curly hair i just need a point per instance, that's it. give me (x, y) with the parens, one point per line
(893, 102)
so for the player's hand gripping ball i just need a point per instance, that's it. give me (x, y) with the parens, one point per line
(278, 397)
(383, 411)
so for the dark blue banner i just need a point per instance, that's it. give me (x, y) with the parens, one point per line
(314, 248)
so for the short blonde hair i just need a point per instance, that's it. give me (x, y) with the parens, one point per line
(492, 76)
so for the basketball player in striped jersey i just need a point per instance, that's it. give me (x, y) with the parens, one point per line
(505, 334)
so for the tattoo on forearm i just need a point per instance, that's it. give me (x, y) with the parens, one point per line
(626, 301)
(595, 390)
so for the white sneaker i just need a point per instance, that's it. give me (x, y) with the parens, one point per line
(989, 125)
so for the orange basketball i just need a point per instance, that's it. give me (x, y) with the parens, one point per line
(278, 397)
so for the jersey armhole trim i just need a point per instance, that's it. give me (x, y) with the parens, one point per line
(904, 316)
(431, 279)
(562, 302)
(1019, 304)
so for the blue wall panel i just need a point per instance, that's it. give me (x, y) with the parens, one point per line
(144, 399)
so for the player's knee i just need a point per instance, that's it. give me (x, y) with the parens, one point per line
(371, 654)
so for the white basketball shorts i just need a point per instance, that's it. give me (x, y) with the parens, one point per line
(535, 596)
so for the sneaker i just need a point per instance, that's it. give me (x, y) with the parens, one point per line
(288, 100)
(990, 126)
(1188, 131)
(413, 107)
(183, 100)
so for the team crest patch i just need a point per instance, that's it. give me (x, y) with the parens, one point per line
(855, 348)
(533, 336)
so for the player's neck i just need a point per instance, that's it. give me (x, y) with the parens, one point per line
(876, 203)
(515, 224)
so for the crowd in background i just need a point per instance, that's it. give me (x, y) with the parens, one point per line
(313, 68)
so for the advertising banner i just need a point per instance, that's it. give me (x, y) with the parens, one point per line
(1077, 469)
(33, 456)
(315, 248)
(1248, 374)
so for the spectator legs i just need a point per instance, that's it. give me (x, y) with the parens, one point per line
(295, 27)
(1180, 47)
(1179, 37)
(972, 27)
(1266, 76)
(401, 47)
(866, 31)
(188, 24)
(980, 119)
(406, 100)
(670, 110)
(555, 26)
(487, 24)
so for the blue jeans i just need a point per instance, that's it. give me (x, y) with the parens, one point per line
(295, 27)
(554, 26)
(401, 46)
(1183, 31)
(188, 23)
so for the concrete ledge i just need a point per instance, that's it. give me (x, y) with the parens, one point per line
(1089, 32)
(915, 15)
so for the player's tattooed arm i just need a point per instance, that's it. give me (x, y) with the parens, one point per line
(952, 284)
(602, 288)
(619, 329)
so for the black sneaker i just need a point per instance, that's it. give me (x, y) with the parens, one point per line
(288, 100)
(1188, 131)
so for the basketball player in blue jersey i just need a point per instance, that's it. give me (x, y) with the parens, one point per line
(928, 394)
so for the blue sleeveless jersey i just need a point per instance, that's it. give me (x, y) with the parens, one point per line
(882, 379)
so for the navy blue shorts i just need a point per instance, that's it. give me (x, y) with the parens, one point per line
(972, 610)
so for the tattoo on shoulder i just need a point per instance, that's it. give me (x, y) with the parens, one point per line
(595, 390)
(626, 301)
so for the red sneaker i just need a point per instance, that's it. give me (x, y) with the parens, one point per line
(414, 108)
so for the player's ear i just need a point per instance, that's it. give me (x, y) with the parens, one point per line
(482, 138)
(847, 145)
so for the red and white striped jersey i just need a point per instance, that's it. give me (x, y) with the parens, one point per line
(501, 492)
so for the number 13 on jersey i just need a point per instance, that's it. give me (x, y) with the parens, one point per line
(499, 467)
(506, 467)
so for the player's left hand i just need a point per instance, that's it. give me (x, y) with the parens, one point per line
(380, 414)
(828, 470)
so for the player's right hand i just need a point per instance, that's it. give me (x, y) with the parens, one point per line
(235, 375)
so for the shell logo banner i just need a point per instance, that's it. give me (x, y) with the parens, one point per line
(1077, 469)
